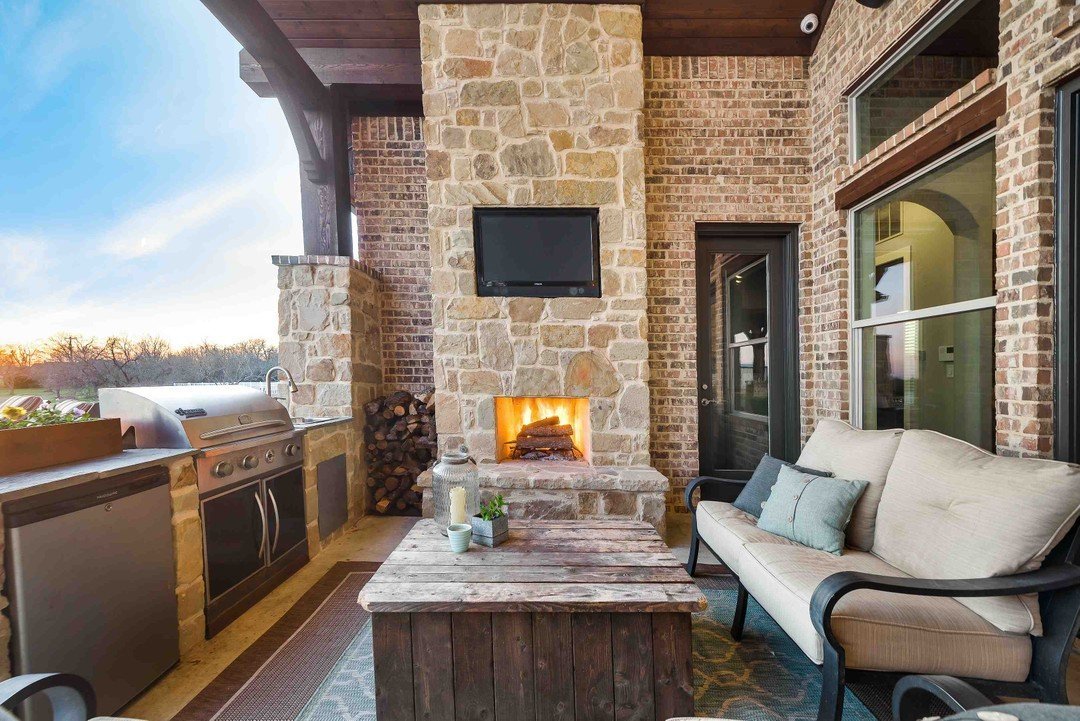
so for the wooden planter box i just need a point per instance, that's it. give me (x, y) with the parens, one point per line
(26, 449)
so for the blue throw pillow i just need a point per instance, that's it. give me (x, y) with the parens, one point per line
(811, 510)
(757, 489)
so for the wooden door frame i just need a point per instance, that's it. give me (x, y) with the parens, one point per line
(1067, 291)
(782, 239)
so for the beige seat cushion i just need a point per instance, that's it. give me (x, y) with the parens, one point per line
(880, 631)
(952, 510)
(726, 529)
(854, 455)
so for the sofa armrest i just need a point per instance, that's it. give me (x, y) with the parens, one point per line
(710, 482)
(832, 589)
(71, 696)
(910, 696)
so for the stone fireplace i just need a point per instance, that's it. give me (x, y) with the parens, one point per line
(540, 105)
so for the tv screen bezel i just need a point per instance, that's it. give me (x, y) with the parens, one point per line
(544, 289)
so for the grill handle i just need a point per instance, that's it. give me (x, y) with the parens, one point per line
(277, 520)
(229, 430)
(262, 517)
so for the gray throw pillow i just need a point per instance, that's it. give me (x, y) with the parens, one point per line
(757, 489)
(811, 510)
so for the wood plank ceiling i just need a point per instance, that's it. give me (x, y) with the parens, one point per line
(671, 27)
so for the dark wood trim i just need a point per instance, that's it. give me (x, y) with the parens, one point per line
(979, 115)
(781, 240)
(383, 100)
(921, 22)
(1067, 230)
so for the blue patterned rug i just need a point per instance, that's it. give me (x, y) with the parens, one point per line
(320, 666)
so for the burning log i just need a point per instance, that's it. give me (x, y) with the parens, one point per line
(400, 442)
(545, 439)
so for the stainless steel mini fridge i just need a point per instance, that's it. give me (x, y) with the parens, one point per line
(92, 585)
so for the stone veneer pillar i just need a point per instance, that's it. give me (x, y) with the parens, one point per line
(537, 105)
(329, 340)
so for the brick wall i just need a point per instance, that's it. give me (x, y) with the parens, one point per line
(726, 140)
(1038, 51)
(389, 192)
(853, 37)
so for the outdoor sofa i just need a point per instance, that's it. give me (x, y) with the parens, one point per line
(936, 509)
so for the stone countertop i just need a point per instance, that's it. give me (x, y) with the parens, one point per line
(321, 423)
(42, 480)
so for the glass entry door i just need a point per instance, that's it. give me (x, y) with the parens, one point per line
(747, 377)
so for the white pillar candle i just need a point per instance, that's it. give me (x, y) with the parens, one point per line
(457, 505)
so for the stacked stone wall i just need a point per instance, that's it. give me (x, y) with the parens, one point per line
(537, 104)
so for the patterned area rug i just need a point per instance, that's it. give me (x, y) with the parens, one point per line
(315, 664)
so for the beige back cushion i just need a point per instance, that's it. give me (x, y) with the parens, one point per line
(952, 510)
(854, 455)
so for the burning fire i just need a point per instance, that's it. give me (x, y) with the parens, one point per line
(513, 413)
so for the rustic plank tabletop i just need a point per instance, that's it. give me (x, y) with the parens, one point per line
(545, 566)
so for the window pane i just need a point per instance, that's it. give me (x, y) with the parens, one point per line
(749, 310)
(949, 59)
(929, 243)
(750, 379)
(935, 373)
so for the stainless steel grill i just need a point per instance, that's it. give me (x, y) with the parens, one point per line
(249, 462)
(193, 416)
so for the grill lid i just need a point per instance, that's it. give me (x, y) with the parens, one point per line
(193, 416)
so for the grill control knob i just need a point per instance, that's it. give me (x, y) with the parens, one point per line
(270, 456)
(291, 449)
(222, 469)
(249, 462)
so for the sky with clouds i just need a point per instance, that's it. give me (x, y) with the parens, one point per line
(143, 186)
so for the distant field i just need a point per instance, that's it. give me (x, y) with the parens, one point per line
(83, 394)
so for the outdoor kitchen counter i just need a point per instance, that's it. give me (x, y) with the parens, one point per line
(314, 423)
(42, 480)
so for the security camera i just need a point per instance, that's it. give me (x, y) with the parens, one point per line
(809, 24)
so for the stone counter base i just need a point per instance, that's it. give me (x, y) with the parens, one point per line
(571, 490)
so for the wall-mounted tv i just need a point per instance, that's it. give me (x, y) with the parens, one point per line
(537, 252)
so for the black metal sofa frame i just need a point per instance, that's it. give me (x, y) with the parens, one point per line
(1057, 583)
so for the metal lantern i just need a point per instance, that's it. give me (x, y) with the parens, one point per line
(455, 469)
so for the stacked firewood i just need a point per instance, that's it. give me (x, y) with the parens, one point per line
(400, 441)
(547, 439)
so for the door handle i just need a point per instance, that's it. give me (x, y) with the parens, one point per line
(262, 517)
(277, 519)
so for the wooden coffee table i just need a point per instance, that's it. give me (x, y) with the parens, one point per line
(566, 620)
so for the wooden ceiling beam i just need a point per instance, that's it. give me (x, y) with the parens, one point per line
(317, 118)
(344, 66)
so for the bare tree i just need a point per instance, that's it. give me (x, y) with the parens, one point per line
(16, 362)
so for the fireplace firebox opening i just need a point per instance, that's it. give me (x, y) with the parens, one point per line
(532, 428)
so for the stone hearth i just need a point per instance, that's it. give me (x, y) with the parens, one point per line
(571, 489)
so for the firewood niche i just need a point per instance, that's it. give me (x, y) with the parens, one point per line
(400, 443)
(542, 429)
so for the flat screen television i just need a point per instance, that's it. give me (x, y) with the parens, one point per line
(537, 252)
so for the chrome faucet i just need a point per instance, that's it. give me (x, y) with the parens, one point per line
(288, 376)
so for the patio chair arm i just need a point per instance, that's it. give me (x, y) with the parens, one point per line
(696, 483)
(909, 701)
(829, 592)
(72, 697)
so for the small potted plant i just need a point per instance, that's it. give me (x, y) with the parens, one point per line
(490, 526)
